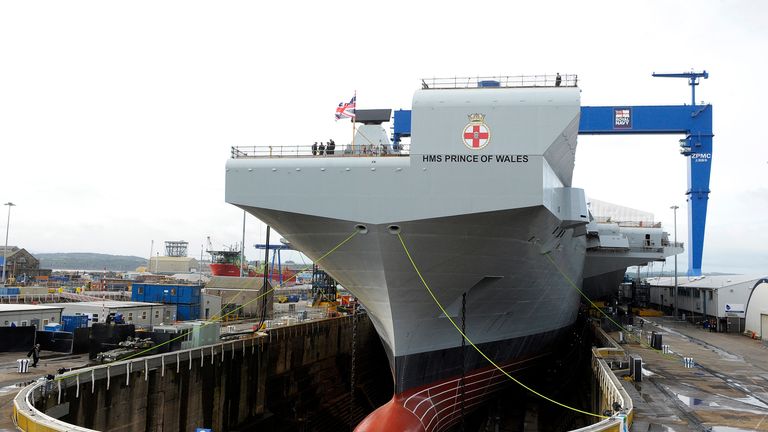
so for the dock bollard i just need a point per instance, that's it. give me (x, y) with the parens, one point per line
(688, 362)
(636, 367)
(666, 349)
(23, 365)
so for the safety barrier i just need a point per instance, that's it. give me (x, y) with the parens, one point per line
(306, 151)
(505, 81)
(610, 388)
(29, 418)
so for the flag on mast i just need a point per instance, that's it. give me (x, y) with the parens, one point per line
(346, 109)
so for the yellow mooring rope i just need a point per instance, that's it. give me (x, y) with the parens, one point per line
(215, 319)
(640, 340)
(458, 329)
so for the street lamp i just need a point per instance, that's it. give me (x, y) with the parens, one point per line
(674, 209)
(7, 225)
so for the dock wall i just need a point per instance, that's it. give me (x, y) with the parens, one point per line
(294, 376)
(606, 388)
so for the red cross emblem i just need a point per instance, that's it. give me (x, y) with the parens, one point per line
(476, 135)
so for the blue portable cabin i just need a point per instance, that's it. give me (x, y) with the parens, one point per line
(185, 297)
(162, 293)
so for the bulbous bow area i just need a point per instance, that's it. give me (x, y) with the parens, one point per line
(392, 416)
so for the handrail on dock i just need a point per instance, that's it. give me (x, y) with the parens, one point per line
(29, 418)
(609, 385)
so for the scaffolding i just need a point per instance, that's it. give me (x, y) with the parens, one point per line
(176, 248)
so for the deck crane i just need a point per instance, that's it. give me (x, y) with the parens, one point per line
(693, 80)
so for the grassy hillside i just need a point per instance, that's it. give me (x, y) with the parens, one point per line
(89, 261)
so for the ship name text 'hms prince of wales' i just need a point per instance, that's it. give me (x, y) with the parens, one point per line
(465, 158)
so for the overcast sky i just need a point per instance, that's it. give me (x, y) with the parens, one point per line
(116, 118)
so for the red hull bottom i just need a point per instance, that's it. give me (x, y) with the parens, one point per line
(437, 406)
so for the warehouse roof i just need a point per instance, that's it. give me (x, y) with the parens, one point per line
(27, 307)
(709, 282)
(228, 282)
(172, 258)
(112, 304)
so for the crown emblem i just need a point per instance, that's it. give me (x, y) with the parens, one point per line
(476, 134)
(476, 118)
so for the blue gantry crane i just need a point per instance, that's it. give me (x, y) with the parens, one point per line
(694, 122)
(269, 269)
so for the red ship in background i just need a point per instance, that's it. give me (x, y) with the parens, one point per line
(227, 263)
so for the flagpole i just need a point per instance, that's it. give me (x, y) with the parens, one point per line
(353, 124)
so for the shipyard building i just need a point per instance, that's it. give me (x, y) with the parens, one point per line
(722, 298)
(139, 313)
(21, 265)
(22, 315)
(756, 315)
(175, 260)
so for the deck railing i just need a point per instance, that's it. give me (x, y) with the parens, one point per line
(363, 150)
(506, 81)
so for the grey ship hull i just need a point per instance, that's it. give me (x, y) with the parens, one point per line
(518, 302)
(484, 202)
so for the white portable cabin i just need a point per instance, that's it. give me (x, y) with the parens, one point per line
(23, 315)
(138, 313)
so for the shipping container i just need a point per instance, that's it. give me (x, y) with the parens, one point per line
(71, 322)
(187, 312)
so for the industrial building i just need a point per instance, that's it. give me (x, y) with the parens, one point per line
(138, 313)
(175, 260)
(23, 315)
(722, 298)
(167, 265)
(242, 293)
(210, 306)
(757, 310)
(21, 264)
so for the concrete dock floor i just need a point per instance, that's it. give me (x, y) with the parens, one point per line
(726, 390)
(11, 381)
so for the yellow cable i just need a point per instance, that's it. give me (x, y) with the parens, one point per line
(640, 340)
(458, 329)
(211, 321)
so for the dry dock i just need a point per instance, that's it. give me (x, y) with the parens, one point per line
(725, 391)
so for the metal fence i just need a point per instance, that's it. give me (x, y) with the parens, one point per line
(29, 418)
(362, 150)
